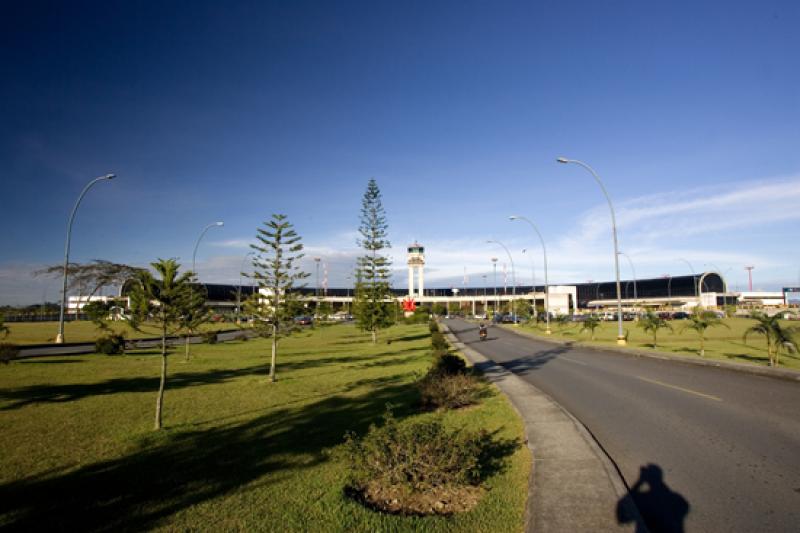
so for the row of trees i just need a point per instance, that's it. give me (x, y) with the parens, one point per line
(778, 338)
(166, 300)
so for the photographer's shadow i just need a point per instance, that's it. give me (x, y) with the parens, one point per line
(661, 509)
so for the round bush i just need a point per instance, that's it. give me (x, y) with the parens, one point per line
(110, 345)
(8, 352)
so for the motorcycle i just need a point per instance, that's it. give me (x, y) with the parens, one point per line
(482, 333)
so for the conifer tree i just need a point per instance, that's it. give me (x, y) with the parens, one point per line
(373, 303)
(162, 303)
(276, 270)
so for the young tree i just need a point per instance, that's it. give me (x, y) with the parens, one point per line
(276, 270)
(700, 321)
(199, 315)
(4, 331)
(652, 322)
(324, 310)
(164, 303)
(590, 324)
(98, 313)
(778, 338)
(373, 306)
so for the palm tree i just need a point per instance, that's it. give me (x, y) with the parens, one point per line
(590, 324)
(652, 322)
(165, 302)
(700, 321)
(778, 338)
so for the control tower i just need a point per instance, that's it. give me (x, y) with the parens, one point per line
(416, 260)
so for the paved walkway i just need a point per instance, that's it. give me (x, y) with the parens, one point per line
(573, 486)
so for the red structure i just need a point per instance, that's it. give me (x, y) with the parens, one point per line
(409, 305)
(750, 277)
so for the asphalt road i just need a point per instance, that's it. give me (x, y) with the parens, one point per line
(701, 448)
(43, 350)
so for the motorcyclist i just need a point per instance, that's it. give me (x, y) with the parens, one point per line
(482, 330)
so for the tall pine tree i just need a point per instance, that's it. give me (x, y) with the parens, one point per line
(373, 303)
(276, 271)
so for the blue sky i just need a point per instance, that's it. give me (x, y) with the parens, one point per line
(690, 112)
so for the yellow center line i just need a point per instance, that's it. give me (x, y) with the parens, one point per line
(710, 397)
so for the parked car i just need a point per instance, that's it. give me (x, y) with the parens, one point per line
(303, 320)
(680, 315)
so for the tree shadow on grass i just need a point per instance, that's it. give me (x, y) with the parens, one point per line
(60, 393)
(408, 338)
(744, 357)
(173, 471)
(53, 362)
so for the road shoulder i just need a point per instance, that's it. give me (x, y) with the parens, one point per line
(573, 485)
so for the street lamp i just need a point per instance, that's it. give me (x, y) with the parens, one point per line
(693, 275)
(620, 336)
(316, 264)
(60, 335)
(513, 279)
(496, 301)
(196, 244)
(546, 281)
(194, 273)
(635, 295)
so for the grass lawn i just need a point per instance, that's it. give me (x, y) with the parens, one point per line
(721, 342)
(80, 331)
(238, 453)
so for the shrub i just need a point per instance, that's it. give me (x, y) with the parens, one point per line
(416, 468)
(448, 364)
(210, 337)
(111, 344)
(8, 352)
(433, 326)
(448, 391)
(438, 341)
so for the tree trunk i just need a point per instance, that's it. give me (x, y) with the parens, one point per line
(274, 353)
(374, 336)
(702, 347)
(655, 340)
(186, 346)
(162, 385)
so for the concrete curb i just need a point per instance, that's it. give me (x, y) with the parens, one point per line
(779, 373)
(573, 485)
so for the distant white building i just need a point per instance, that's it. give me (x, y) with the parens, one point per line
(76, 303)
(761, 298)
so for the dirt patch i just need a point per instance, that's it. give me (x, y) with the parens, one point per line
(442, 500)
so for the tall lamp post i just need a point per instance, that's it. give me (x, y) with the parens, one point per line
(60, 335)
(694, 281)
(630, 262)
(513, 279)
(197, 244)
(194, 261)
(620, 336)
(496, 301)
(546, 281)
